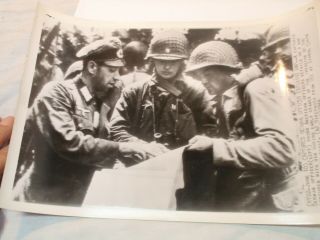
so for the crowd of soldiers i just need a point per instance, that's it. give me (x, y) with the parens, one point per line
(235, 123)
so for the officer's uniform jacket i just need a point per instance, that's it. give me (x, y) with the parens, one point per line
(256, 151)
(181, 117)
(66, 139)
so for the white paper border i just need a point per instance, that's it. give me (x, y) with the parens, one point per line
(119, 212)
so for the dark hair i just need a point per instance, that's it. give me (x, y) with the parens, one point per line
(134, 54)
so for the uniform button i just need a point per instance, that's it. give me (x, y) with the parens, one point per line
(80, 125)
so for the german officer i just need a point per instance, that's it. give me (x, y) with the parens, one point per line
(66, 138)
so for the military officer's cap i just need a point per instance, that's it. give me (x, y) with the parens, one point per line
(107, 50)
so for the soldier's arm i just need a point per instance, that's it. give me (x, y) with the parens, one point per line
(249, 74)
(122, 120)
(54, 120)
(273, 146)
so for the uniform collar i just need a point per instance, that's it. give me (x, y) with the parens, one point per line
(84, 91)
(231, 99)
(231, 92)
(86, 94)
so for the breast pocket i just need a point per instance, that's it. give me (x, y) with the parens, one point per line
(186, 125)
(84, 121)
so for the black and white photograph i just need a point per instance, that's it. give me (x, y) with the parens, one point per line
(184, 119)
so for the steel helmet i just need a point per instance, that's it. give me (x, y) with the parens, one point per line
(213, 53)
(276, 34)
(168, 45)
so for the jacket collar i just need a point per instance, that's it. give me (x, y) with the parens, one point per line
(83, 89)
(231, 99)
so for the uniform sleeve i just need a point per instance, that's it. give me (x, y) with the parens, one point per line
(53, 117)
(273, 146)
(249, 74)
(122, 118)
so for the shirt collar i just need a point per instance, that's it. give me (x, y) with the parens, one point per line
(232, 91)
(231, 100)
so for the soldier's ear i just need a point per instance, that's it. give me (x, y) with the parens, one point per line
(92, 67)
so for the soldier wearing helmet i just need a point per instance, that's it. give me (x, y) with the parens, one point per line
(254, 146)
(277, 47)
(275, 51)
(277, 57)
(134, 54)
(168, 108)
(66, 137)
(276, 54)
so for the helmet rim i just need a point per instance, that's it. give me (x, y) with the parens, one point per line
(274, 42)
(203, 65)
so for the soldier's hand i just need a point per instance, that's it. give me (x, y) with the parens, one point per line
(6, 125)
(200, 143)
(134, 150)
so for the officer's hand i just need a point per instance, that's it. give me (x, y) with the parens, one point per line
(5, 133)
(200, 143)
(154, 149)
(134, 150)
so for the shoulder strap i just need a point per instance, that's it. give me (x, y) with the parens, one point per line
(170, 88)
